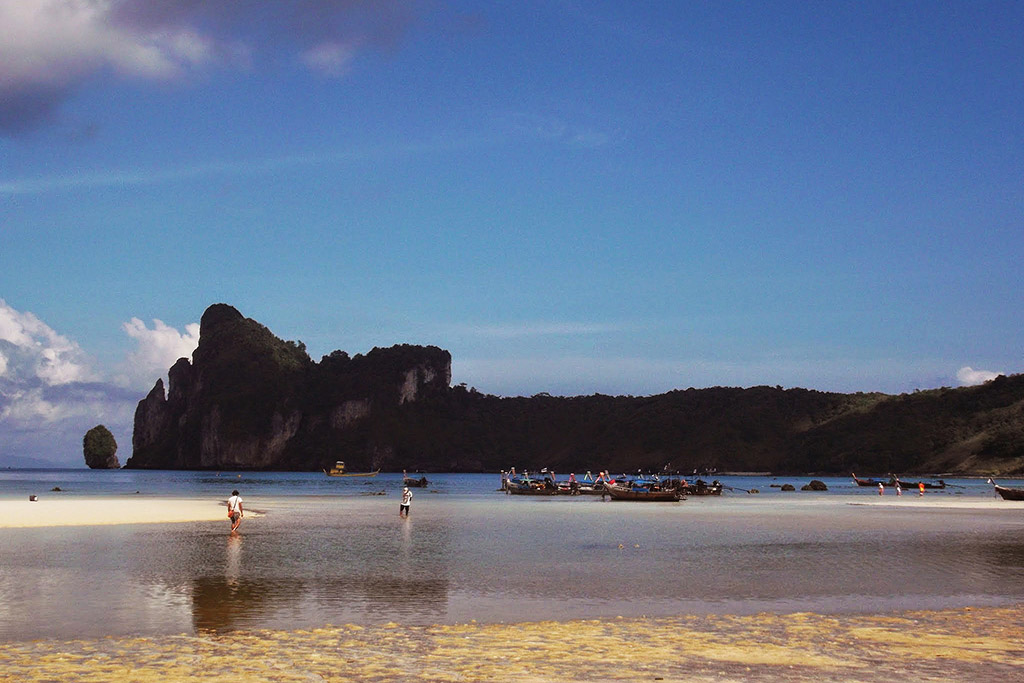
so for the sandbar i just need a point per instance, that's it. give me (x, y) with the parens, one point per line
(979, 644)
(53, 510)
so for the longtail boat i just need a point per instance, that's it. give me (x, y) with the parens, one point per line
(700, 488)
(910, 485)
(871, 482)
(413, 481)
(525, 485)
(1008, 493)
(339, 471)
(644, 493)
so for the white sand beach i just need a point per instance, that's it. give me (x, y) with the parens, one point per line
(53, 510)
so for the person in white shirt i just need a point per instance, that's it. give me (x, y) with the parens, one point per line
(403, 509)
(235, 510)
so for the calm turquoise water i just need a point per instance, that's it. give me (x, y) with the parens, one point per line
(329, 551)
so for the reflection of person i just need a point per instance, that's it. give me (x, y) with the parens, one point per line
(235, 510)
(234, 560)
(403, 509)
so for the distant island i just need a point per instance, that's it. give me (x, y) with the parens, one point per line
(251, 401)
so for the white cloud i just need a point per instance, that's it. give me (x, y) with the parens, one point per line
(50, 394)
(968, 376)
(34, 352)
(55, 41)
(156, 350)
(49, 48)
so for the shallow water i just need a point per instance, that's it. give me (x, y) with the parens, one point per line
(323, 551)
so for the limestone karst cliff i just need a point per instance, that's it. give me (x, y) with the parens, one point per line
(249, 400)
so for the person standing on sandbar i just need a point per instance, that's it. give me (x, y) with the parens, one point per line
(235, 510)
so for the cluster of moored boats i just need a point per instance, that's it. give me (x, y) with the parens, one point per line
(640, 487)
(644, 487)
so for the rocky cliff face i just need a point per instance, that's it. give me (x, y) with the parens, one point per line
(249, 400)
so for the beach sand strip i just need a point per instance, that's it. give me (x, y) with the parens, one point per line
(979, 644)
(53, 510)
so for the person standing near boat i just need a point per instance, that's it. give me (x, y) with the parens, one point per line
(235, 510)
(403, 509)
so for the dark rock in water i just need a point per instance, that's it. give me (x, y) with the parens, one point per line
(56, 488)
(788, 487)
(814, 485)
(100, 449)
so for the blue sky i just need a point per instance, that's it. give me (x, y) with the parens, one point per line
(571, 197)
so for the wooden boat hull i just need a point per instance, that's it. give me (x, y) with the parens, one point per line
(701, 490)
(415, 483)
(531, 491)
(911, 485)
(623, 493)
(871, 482)
(1009, 493)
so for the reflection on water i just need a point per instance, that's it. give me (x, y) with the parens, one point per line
(351, 559)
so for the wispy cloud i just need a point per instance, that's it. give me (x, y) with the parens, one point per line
(536, 329)
(240, 168)
(557, 129)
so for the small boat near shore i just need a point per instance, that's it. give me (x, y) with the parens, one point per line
(413, 482)
(871, 482)
(910, 485)
(641, 493)
(531, 487)
(700, 488)
(339, 471)
(1008, 493)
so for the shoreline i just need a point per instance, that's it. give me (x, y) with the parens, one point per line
(61, 509)
(955, 644)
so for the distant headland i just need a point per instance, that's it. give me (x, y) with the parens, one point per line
(251, 401)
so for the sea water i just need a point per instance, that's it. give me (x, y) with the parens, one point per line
(315, 550)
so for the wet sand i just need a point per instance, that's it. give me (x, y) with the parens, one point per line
(963, 644)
